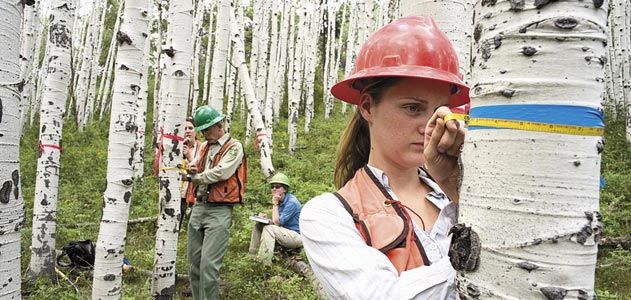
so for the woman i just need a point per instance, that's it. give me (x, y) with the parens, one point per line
(384, 234)
(283, 229)
(190, 148)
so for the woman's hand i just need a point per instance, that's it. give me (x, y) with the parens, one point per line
(443, 143)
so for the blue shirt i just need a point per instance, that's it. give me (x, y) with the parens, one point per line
(289, 212)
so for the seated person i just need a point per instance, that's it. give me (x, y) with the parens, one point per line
(283, 228)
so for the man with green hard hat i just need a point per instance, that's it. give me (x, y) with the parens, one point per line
(218, 178)
(283, 227)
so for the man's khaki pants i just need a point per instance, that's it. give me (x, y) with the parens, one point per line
(207, 244)
(264, 237)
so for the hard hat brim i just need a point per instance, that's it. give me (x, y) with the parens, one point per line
(211, 123)
(344, 90)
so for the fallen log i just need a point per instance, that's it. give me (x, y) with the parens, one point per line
(130, 222)
(613, 242)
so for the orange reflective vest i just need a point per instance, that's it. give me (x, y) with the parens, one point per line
(229, 191)
(382, 222)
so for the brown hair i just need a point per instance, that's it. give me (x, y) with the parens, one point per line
(354, 146)
(191, 120)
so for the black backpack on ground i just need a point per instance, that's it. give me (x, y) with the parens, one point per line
(80, 254)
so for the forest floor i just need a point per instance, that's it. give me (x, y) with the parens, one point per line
(82, 183)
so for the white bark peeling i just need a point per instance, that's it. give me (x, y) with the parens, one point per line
(454, 17)
(11, 202)
(51, 125)
(110, 245)
(532, 208)
(220, 55)
(246, 84)
(173, 113)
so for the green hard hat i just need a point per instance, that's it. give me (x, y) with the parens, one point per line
(206, 116)
(280, 178)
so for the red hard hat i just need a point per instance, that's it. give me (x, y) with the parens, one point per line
(408, 47)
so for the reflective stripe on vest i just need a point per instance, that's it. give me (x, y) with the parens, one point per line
(382, 221)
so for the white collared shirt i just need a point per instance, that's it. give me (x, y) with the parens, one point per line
(348, 268)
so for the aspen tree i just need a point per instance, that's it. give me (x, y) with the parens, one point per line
(27, 55)
(141, 113)
(109, 65)
(311, 57)
(220, 55)
(329, 56)
(272, 69)
(536, 212)
(11, 202)
(232, 73)
(41, 77)
(282, 63)
(30, 88)
(51, 124)
(96, 56)
(173, 114)
(293, 80)
(209, 48)
(124, 123)
(246, 84)
(197, 40)
(350, 43)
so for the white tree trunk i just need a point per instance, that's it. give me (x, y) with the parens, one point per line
(350, 44)
(244, 76)
(535, 211)
(109, 65)
(197, 41)
(209, 48)
(311, 59)
(329, 56)
(11, 202)
(51, 124)
(31, 83)
(174, 109)
(293, 81)
(220, 55)
(27, 54)
(273, 69)
(110, 245)
(96, 56)
(454, 17)
(83, 82)
(141, 113)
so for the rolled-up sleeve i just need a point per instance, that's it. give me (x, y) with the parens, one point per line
(347, 268)
(226, 167)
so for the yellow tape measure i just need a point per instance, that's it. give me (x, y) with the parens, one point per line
(527, 125)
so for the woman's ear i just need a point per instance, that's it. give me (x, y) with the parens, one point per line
(365, 105)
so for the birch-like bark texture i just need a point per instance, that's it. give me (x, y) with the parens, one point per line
(272, 70)
(535, 212)
(293, 79)
(110, 245)
(208, 56)
(329, 56)
(454, 17)
(11, 202)
(311, 59)
(173, 114)
(282, 58)
(96, 55)
(246, 84)
(51, 124)
(197, 40)
(27, 53)
(31, 83)
(109, 65)
(232, 80)
(220, 55)
(41, 77)
(82, 84)
(141, 113)
(351, 44)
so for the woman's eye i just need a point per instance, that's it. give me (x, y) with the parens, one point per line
(413, 108)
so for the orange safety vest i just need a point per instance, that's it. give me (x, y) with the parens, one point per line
(230, 191)
(189, 194)
(382, 221)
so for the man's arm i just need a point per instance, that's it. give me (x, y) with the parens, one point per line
(224, 169)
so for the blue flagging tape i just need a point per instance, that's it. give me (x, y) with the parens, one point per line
(540, 113)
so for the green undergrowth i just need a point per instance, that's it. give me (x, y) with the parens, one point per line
(82, 184)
